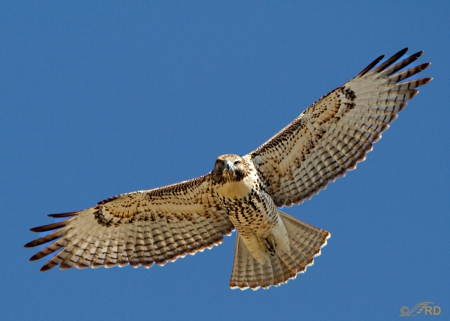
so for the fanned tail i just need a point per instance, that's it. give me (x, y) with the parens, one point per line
(305, 242)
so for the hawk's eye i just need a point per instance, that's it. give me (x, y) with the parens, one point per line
(237, 162)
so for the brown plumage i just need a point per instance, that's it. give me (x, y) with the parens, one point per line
(243, 193)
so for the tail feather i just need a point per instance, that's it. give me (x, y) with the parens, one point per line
(305, 242)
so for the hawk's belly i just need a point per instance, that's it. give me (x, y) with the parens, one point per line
(254, 215)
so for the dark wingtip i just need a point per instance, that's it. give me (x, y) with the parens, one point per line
(30, 244)
(413, 94)
(402, 52)
(379, 58)
(34, 258)
(370, 66)
(427, 80)
(418, 54)
(424, 66)
(45, 268)
(68, 214)
(48, 227)
(45, 239)
(391, 60)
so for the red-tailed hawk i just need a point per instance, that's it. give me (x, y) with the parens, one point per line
(243, 193)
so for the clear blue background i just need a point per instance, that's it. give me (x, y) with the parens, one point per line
(98, 99)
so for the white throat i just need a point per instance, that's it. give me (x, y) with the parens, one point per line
(237, 189)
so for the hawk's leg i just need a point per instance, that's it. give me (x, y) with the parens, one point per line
(268, 244)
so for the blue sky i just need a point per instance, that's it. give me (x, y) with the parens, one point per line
(98, 99)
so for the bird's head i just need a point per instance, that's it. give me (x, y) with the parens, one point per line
(229, 168)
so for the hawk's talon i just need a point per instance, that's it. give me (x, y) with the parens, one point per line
(268, 244)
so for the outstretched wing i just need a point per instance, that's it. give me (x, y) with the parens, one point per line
(139, 228)
(336, 132)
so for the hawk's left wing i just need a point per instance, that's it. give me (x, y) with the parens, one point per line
(139, 228)
(336, 132)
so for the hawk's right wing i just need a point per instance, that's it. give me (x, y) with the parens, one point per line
(139, 228)
(336, 132)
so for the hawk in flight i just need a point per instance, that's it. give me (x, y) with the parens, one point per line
(243, 192)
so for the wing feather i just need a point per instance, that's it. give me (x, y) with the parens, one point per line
(336, 132)
(139, 228)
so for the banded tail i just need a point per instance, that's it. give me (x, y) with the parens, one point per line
(305, 242)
